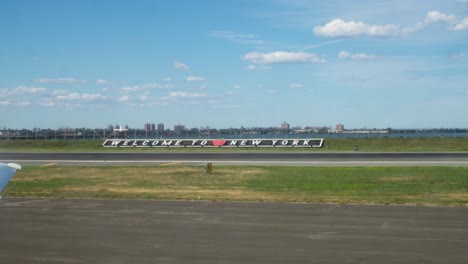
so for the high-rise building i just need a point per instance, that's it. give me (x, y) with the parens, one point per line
(150, 127)
(285, 125)
(160, 127)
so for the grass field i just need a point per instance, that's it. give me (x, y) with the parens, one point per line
(375, 185)
(345, 144)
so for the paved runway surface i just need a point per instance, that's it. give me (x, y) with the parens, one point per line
(122, 231)
(244, 158)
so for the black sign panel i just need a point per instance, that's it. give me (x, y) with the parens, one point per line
(158, 143)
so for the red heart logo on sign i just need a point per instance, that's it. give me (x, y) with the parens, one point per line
(218, 142)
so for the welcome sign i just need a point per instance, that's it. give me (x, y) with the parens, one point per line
(160, 143)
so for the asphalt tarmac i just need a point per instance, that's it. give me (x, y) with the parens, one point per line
(132, 231)
(459, 159)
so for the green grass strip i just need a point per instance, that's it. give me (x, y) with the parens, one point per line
(447, 186)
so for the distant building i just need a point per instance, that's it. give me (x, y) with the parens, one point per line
(339, 128)
(285, 125)
(120, 128)
(160, 127)
(179, 128)
(150, 127)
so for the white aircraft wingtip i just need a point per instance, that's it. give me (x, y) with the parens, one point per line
(14, 166)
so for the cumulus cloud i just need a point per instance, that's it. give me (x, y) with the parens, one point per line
(357, 56)
(60, 80)
(340, 28)
(236, 86)
(431, 18)
(181, 66)
(195, 79)
(437, 16)
(462, 25)
(282, 57)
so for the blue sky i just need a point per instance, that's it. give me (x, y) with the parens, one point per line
(226, 63)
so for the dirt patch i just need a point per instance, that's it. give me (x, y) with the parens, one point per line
(395, 179)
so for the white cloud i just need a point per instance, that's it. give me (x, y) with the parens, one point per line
(282, 57)
(238, 37)
(60, 80)
(195, 79)
(270, 92)
(437, 16)
(4, 103)
(167, 79)
(431, 18)
(296, 85)
(462, 25)
(340, 28)
(186, 95)
(251, 67)
(344, 55)
(181, 66)
(124, 98)
(236, 86)
(80, 97)
(462, 1)
(357, 56)
(101, 81)
(29, 90)
(128, 89)
(143, 97)
(147, 86)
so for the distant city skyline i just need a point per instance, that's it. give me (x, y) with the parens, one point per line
(251, 63)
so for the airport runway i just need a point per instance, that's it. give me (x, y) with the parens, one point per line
(244, 158)
(131, 231)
